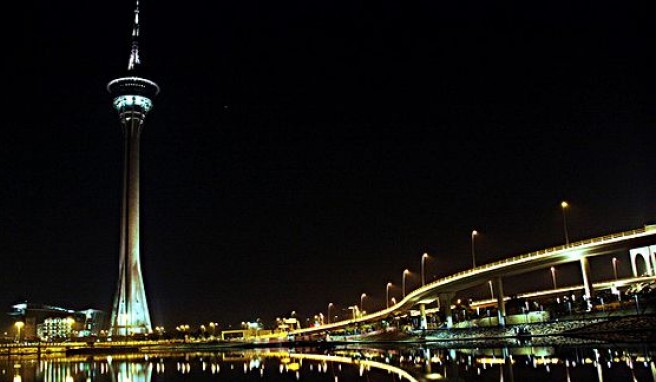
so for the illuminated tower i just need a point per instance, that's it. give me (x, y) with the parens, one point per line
(132, 98)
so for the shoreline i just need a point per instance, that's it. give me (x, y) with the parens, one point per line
(628, 330)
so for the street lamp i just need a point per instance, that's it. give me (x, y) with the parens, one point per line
(362, 296)
(553, 277)
(473, 235)
(423, 274)
(563, 206)
(213, 327)
(354, 308)
(330, 305)
(615, 267)
(389, 285)
(19, 325)
(405, 273)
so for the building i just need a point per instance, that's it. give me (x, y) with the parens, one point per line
(52, 323)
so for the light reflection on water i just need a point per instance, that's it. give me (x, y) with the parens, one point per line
(346, 364)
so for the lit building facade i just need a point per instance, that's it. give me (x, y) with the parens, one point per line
(52, 323)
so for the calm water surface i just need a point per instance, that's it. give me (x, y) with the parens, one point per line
(347, 364)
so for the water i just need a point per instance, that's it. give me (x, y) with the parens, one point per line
(346, 364)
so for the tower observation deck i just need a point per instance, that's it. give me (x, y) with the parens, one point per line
(132, 98)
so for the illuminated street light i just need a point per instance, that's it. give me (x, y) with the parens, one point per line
(615, 267)
(563, 206)
(473, 236)
(354, 308)
(389, 285)
(423, 274)
(362, 296)
(553, 277)
(19, 325)
(330, 305)
(406, 272)
(393, 301)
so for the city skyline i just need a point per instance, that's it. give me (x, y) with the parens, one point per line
(306, 154)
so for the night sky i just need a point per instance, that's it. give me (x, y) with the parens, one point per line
(304, 152)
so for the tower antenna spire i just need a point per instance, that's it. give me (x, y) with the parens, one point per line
(134, 54)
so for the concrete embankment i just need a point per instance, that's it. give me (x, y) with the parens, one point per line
(632, 329)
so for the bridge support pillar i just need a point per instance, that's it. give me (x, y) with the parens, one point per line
(501, 302)
(585, 272)
(423, 322)
(446, 303)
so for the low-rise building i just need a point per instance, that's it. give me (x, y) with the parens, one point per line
(51, 323)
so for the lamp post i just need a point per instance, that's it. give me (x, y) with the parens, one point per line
(563, 206)
(405, 273)
(423, 273)
(354, 308)
(362, 296)
(329, 306)
(553, 277)
(473, 245)
(389, 285)
(213, 328)
(19, 325)
(615, 267)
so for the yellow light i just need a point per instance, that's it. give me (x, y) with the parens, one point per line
(564, 204)
(294, 366)
(19, 324)
(434, 376)
(495, 361)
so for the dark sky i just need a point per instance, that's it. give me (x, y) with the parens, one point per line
(304, 152)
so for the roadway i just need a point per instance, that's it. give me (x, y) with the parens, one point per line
(524, 263)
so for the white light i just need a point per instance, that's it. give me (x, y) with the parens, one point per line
(132, 100)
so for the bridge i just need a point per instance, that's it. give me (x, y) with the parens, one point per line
(640, 243)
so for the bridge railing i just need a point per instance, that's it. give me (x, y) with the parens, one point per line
(538, 253)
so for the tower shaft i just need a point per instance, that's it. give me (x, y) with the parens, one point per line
(130, 314)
